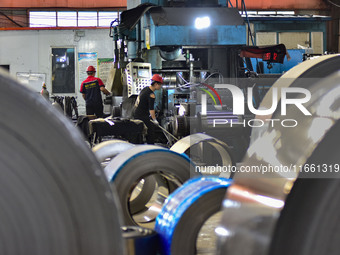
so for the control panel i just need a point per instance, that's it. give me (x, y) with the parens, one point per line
(138, 77)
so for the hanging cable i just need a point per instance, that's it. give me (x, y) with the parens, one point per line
(220, 76)
(332, 3)
(247, 19)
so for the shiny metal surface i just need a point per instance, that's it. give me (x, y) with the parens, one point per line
(181, 125)
(254, 201)
(144, 190)
(110, 149)
(168, 168)
(185, 212)
(313, 70)
(185, 144)
(170, 53)
(54, 196)
(153, 204)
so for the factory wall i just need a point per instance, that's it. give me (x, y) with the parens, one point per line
(29, 51)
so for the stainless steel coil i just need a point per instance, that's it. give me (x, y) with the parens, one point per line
(126, 170)
(197, 145)
(185, 212)
(251, 223)
(55, 198)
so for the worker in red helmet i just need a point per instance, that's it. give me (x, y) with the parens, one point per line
(91, 89)
(144, 107)
(44, 92)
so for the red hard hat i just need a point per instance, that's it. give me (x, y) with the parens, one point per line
(90, 69)
(157, 78)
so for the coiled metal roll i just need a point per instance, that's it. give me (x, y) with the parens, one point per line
(106, 151)
(196, 141)
(110, 149)
(186, 210)
(55, 198)
(256, 199)
(169, 169)
(304, 75)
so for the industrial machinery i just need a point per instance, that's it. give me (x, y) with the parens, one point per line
(194, 45)
(137, 76)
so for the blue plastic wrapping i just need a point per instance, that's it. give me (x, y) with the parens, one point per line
(179, 201)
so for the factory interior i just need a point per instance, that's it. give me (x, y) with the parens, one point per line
(169, 127)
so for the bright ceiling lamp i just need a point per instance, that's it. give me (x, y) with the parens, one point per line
(202, 22)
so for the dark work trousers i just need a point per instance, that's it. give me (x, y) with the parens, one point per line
(95, 110)
(150, 137)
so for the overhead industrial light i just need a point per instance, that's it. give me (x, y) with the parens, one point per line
(202, 22)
